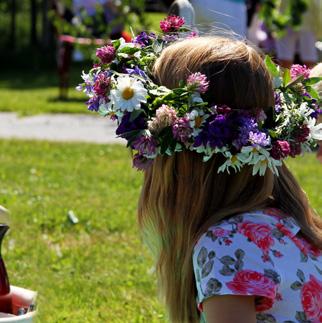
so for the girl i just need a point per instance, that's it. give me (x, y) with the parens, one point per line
(245, 247)
(233, 234)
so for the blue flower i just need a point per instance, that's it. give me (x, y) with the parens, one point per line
(136, 71)
(217, 132)
(93, 103)
(144, 39)
(126, 125)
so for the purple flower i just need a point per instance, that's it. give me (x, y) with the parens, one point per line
(136, 71)
(169, 38)
(127, 125)
(259, 138)
(246, 125)
(181, 129)
(298, 70)
(193, 34)
(280, 149)
(106, 54)
(218, 131)
(278, 102)
(144, 39)
(102, 84)
(93, 103)
(145, 145)
(277, 98)
(171, 24)
(141, 163)
(198, 81)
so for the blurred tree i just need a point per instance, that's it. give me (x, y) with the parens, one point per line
(13, 12)
(33, 23)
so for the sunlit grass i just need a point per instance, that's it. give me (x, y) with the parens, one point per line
(98, 269)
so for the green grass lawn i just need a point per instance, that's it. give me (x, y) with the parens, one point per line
(96, 270)
(29, 91)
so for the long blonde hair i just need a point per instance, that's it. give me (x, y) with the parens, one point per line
(182, 195)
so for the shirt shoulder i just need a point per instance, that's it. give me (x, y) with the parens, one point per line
(258, 227)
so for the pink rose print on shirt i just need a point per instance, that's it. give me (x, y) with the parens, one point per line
(311, 297)
(305, 247)
(260, 234)
(220, 232)
(277, 213)
(249, 282)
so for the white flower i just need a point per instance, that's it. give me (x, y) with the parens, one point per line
(260, 159)
(305, 111)
(86, 77)
(232, 162)
(129, 94)
(108, 109)
(315, 130)
(123, 44)
(196, 120)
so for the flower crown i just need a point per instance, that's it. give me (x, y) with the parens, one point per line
(156, 120)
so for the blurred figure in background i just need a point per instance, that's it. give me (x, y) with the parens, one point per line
(182, 8)
(64, 49)
(106, 11)
(224, 14)
(301, 41)
(98, 17)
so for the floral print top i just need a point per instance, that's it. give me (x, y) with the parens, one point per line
(261, 253)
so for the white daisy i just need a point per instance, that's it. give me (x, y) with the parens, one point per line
(231, 162)
(196, 120)
(315, 130)
(129, 94)
(260, 159)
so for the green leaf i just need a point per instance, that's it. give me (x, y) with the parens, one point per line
(286, 77)
(213, 286)
(314, 94)
(312, 80)
(227, 260)
(297, 80)
(206, 268)
(273, 275)
(116, 43)
(226, 271)
(211, 254)
(202, 256)
(239, 253)
(129, 50)
(300, 275)
(296, 285)
(271, 66)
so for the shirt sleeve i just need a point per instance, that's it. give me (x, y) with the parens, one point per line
(235, 259)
